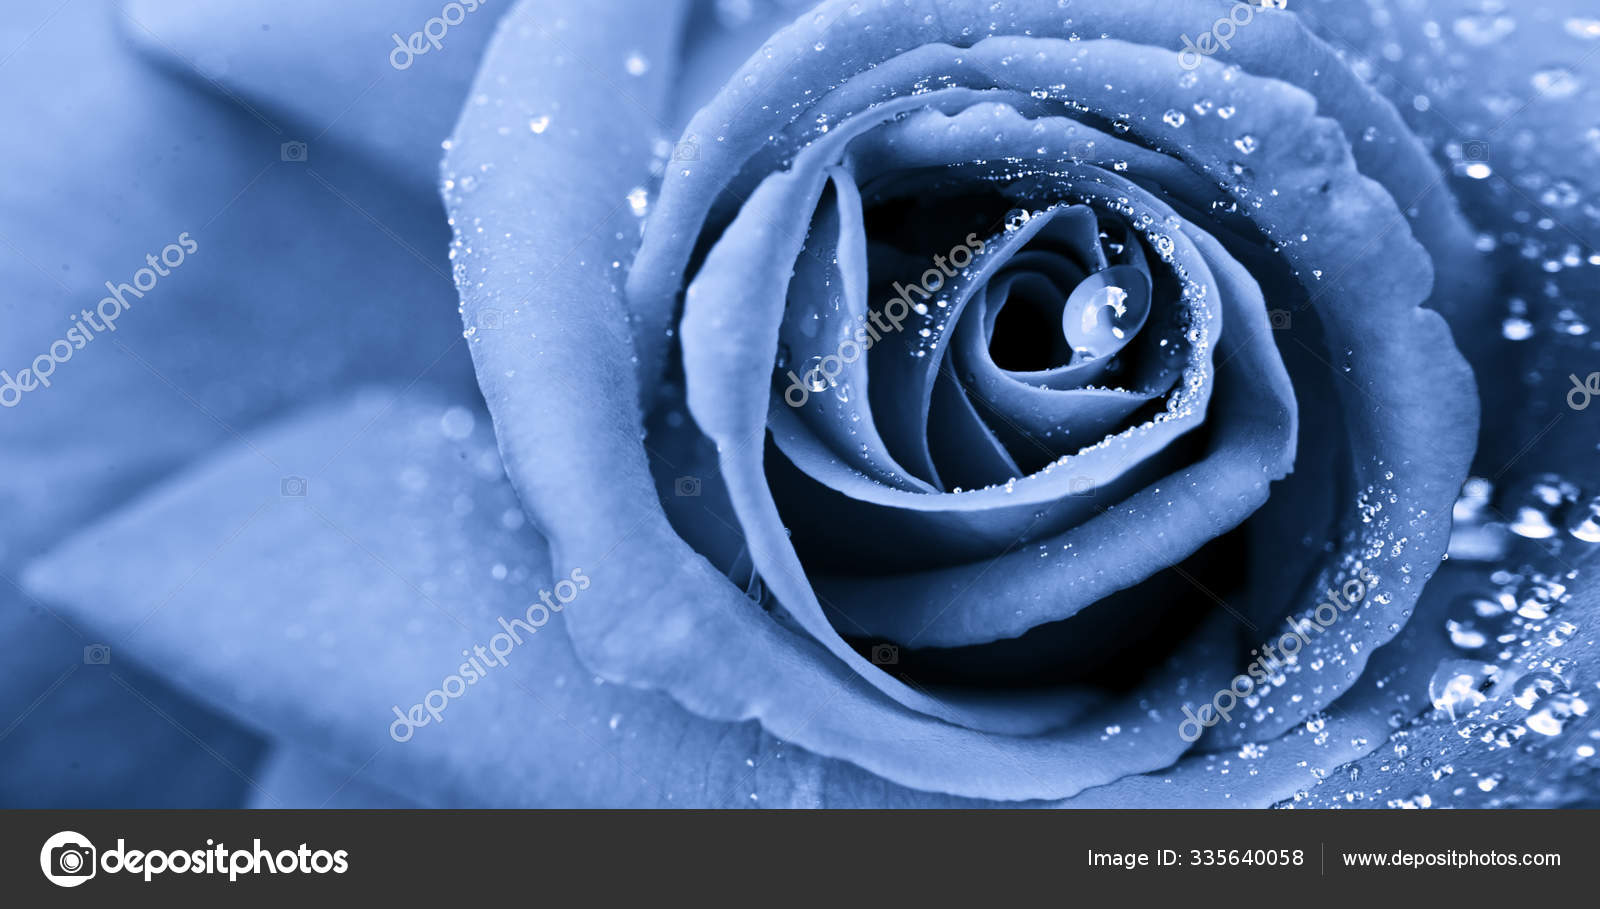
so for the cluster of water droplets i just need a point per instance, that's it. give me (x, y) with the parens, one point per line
(1188, 348)
(1513, 153)
(1514, 693)
(1507, 682)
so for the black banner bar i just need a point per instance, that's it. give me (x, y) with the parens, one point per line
(62, 857)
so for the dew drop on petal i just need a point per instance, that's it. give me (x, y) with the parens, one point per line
(1516, 328)
(1584, 523)
(1555, 82)
(1587, 29)
(457, 423)
(1457, 686)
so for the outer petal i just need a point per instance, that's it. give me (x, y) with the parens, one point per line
(1503, 99)
(1530, 745)
(111, 735)
(1285, 769)
(842, 38)
(330, 70)
(325, 611)
(307, 275)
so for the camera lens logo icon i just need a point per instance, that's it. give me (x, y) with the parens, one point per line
(67, 859)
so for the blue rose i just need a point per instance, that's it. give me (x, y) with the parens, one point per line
(999, 299)
(952, 404)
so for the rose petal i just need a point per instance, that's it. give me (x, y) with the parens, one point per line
(843, 38)
(328, 74)
(817, 327)
(312, 617)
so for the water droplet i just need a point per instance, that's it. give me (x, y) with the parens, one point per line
(1560, 634)
(1173, 118)
(1476, 621)
(1555, 82)
(1246, 143)
(638, 200)
(457, 423)
(539, 124)
(815, 380)
(1585, 521)
(1587, 29)
(1457, 686)
(1560, 194)
(1474, 537)
(1533, 504)
(1474, 498)
(1516, 328)
(1480, 31)
(1532, 688)
(1104, 310)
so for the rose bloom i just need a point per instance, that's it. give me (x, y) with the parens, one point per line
(951, 404)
